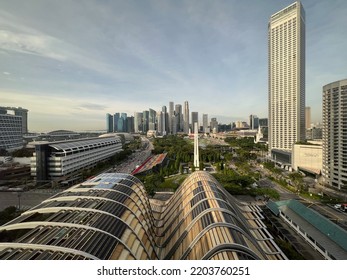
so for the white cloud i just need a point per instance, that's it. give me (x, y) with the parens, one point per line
(41, 45)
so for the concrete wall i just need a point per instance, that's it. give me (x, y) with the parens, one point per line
(307, 156)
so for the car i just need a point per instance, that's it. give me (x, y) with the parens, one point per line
(337, 206)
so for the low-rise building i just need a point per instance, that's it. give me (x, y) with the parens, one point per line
(323, 235)
(57, 159)
(308, 157)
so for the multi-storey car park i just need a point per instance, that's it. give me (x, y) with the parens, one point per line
(111, 217)
(57, 159)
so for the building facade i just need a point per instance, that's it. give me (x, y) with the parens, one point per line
(171, 118)
(116, 117)
(109, 123)
(145, 122)
(186, 117)
(308, 117)
(205, 123)
(286, 37)
(138, 122)
(195, 119)
(11, 136)
(179, 118)
(214, 125)
(335, 134)
(58, 159)
(253, 122)
(307, 158)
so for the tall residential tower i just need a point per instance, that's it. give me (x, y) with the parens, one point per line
(335, 134)
(286, 37)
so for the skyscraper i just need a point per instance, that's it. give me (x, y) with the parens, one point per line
(214, 125)
(145, 121)
(109, 123)
(11, 136)
(138, 122)
(17, 111)
(335, 134)
(179, 117)
(286, 37)
(205, 123)
(195, 119)
(116, 117)
(24, 114)
(130, 124)
(308, 117)
(122, 123)
(171, 117)
(253, 122)
(186, 117)
(152, 119)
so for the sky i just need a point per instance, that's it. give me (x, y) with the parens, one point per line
(71, 62)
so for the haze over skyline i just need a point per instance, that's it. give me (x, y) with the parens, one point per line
(69, 62)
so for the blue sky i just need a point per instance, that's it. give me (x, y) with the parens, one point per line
(71, 62)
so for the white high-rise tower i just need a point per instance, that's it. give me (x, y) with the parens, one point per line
(286, 77)
(335, 134)
(196, 146)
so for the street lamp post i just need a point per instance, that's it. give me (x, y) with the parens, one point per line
(19, 194)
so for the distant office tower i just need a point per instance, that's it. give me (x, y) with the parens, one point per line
(17, 111)
(195, 119)
(122, 123)
(165, 117)
(241, 124)
(263, 122)
(24, 114)
(171, 117)
(152, 119)
(205, 123)
(160, 120)
(314, 133)
(335, 134)
(179, 117)
(130, 124)
(186, 117)
(11, 136)
(138, 122)
(109, 123)
(145, 121)
(214, 125)
(253, 122)
(196, 146)
(116, 117)
(308, 117)
(286, 77)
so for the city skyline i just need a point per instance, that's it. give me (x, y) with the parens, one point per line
(71, 64)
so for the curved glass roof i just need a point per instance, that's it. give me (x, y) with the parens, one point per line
(111, 217)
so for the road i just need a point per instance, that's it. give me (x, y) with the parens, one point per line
(135, 159)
